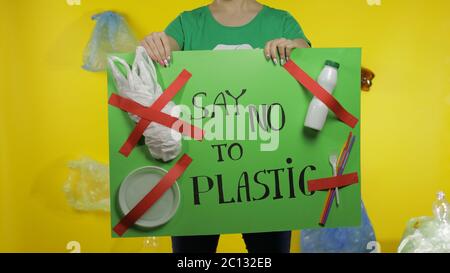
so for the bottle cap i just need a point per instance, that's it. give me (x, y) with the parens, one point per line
(332, 64)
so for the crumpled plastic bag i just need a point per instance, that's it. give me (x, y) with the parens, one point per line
(140, 85)
(429, 234)
(87, 185)
(111, 35)
(339, 240)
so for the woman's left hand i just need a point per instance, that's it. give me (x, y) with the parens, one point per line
(282, 48)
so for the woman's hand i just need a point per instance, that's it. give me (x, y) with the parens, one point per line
(159, 47)
(282, 47)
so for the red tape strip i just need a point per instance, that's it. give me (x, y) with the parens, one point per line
(333, 182)
(158, 105)
(151, 115)
(322, 94)
(147, 202)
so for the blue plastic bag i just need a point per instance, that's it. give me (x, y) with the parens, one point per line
(111, 35)
(340, 240)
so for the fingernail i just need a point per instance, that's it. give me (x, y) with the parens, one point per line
(287, 59)
(267, 57)
(161, 63)
(168, 57)
(166, 62)
(275, 61)
(282, 61)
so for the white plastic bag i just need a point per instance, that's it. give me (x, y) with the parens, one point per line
(140, 84)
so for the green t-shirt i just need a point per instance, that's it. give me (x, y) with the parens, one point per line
(199, 30)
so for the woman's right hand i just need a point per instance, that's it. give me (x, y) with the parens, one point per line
(157, 45)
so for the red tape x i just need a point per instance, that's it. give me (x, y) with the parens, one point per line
(321, 93)
(333, 182)
(147, 202)
(156, 116)
(151, 113)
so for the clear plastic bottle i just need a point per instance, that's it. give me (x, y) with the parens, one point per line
(441, 209)
(318, 111)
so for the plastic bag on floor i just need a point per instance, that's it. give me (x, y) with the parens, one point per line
(339, 240)
(111, 35)
(87, 186)
(140, 84)
(429, 234)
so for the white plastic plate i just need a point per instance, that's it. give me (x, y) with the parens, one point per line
(140, 182)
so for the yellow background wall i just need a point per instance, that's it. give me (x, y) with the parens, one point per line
(52, 111)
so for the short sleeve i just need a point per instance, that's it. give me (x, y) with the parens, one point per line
(175, 30)
(292, 29)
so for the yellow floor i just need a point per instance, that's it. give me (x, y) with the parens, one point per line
(52, 111)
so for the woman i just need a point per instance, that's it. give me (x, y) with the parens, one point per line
(230, 24)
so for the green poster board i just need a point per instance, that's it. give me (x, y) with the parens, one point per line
(304, 153)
